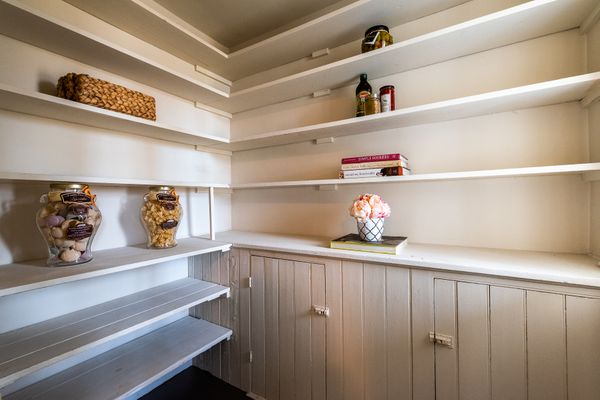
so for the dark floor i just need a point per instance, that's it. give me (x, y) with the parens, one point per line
(195, 384)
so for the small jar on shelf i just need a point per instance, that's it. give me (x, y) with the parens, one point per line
(161, 214)
(68, 220)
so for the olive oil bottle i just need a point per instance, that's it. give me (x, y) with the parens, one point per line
(363, 91)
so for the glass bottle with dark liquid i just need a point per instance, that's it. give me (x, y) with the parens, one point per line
(363, 91)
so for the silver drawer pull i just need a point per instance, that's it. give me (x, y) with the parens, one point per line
(321, 310)
(444, 340)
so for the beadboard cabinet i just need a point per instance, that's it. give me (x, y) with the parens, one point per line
(510, 339)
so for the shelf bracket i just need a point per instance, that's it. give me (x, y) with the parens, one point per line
(320, 53)
(591, 96)
(321, 93)
(327, 188)
(324, 140)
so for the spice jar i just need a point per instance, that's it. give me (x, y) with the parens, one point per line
(376, 37)
(161, 214)
(68, 220)
(387, 95)
(373, 105)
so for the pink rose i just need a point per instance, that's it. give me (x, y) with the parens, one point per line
(369, 206)
(360, 210)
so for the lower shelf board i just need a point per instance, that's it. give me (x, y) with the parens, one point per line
(34, 347)
(126, 369)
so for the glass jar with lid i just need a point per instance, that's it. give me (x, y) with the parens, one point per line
(68, 220)
(376, 37)
(161, 214)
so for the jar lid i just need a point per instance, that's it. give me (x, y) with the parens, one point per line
(377, 28)
(159, 188)
(66, 186)
(387, 87)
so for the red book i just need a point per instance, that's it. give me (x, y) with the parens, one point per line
(376, 157)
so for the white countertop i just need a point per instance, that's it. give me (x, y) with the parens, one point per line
(571, 269)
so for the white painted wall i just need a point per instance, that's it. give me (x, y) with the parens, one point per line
(547, 214)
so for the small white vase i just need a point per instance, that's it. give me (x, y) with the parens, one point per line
(371, 229)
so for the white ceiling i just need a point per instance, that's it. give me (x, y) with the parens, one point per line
(233, 23)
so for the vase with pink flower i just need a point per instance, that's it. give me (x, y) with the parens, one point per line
(370, 212)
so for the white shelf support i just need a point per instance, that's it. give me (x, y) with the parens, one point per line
(211, 213)
(320, 53)
(321, 93)
(591, 96)
(324, 140)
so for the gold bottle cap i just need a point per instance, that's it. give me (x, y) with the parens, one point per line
(160, 188)
(67, 186)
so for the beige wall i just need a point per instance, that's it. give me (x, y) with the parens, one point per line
(547, 213)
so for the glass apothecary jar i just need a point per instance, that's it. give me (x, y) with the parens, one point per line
(160, 215)
(68, 220)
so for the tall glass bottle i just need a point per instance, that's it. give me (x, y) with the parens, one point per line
(363, 91)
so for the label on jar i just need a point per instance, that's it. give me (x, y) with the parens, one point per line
(75, 197)
(169, 224)
(371, 38)
(386, 102)
(80, 231)
(166, 197)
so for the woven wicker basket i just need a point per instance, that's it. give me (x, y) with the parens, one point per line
(96, 92)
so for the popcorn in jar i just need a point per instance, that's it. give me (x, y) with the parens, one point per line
(68, 221)
(161, 214)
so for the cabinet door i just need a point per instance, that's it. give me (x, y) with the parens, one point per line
(287, 337)
(515, 344)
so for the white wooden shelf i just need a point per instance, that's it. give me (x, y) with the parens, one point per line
(535, 95)
(526, 21)
(588, 170)
(43, 105)
(27, 24)
(126, 369)
(29, 275)
(337, 26)
(532, 19)
(101, 181)
(29, 349)
(570, 269)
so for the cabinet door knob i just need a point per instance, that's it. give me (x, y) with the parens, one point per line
(441, 339)
(321, 310)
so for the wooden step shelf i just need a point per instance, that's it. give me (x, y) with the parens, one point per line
(29, 275)
(29, 349)
(129, 368)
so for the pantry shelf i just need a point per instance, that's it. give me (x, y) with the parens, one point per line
(43, 105)
(53, 34)
(101, 181)
(29, 275)
(539, 94)
(527, 21)
(334, 27)
(587, 170)
(37, 346)
(126, 369)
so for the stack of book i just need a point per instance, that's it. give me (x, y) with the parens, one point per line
(373, 166)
